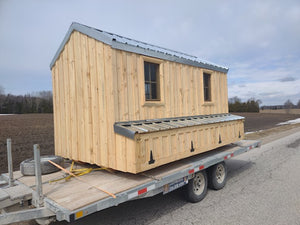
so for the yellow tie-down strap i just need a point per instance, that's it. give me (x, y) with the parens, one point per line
(79, 172)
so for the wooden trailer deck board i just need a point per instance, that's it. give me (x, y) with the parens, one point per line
(74, 194)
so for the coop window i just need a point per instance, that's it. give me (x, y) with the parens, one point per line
(151, 71)
(207, 86)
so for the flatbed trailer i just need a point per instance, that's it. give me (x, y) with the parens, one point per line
(76, 198)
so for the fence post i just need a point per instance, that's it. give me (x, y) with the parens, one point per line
(38, 176)
(9, 163)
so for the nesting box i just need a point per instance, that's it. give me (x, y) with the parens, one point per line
(132, 106)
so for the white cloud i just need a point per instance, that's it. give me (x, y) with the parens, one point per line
(272, 81)
(270, 92)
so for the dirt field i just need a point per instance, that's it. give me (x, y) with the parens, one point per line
(25, 131)
(263, 121)
(29, 129)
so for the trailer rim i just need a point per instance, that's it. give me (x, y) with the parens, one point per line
(199, 183)
(196, 189)
(217, 176)
(220, 173)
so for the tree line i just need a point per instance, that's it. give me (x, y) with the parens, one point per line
(39, 102)
(253, 105)
(290, 105)
(235, 104)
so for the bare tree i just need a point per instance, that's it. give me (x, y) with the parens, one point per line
(47, 95)
(298, 104)
(288, 105)
(2, 97)
(40, 103)
(2, 90)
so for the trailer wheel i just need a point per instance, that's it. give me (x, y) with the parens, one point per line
(217, 176)
(27, 166)
(196, 189)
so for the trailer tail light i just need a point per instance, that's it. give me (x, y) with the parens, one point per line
(141, 191)
(191, 171)
(228, 156)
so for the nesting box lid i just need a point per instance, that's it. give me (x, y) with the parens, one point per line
(130, 128)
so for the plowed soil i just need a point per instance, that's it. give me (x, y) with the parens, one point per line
(263, 121)
(25, 130)
(29, 129)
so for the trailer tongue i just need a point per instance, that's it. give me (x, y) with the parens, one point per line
(74, 199)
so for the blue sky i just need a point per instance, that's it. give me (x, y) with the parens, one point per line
(258, 40)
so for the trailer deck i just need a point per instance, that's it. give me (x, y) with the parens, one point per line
(74, 199)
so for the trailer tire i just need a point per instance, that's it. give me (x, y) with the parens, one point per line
(217, 176)
(196, 189)
(27, 167)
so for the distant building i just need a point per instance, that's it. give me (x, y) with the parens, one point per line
(281, 109)
(273, 107)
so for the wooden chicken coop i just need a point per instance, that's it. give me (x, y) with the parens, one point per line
(133, 106)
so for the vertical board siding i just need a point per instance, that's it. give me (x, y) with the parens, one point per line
(85, 73)
(62, 107)
(125, 113)
(56, 117)
(94, 99)
(72, 99)
(171, 80)
(109, 80)
(80, 103)
(79, 98)
(102, 151)
(95, 86)
(64, 80)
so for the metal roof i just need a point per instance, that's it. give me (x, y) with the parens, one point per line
(131, 45)
(129, 129)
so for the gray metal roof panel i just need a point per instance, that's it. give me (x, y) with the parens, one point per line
(131, 45)
(130, 128)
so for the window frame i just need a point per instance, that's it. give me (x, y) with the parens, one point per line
(151, 82)
(208, 87)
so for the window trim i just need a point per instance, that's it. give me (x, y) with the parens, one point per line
(209, 100)
(159, 102)
(152, 83)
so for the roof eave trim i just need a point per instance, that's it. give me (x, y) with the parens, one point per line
(93, 33)
(89, 31)
(59, 50)
(154, 54)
